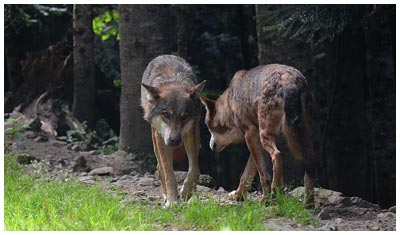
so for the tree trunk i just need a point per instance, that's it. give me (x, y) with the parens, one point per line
(84, 70)
(183, 32)
(12, 65)
(262, 36)
(144, 31)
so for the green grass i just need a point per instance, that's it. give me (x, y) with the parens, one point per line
(32, 203)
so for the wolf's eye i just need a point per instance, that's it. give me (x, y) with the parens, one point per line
(165, 114)
(184, 116)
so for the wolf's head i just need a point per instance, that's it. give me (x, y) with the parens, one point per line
(173, 110)
(220, 123)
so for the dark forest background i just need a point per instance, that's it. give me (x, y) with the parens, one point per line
(87, 60)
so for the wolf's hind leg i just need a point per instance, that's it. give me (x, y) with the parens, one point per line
(245, 181)
(192, 145)
(270, 120)
(254, 145)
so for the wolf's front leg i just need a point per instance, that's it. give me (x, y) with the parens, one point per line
(166, 170)
(159, 172)
(245, 181)
(192, 146)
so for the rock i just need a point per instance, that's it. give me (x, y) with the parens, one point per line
(87, 179)
(102, 171)
(80, 165)
(324, 215)
(41, 138)
(322, 196)
(30, 134)
(201, 188)
(358, 202)
(58, 144)
(75, 147)
(83, 174)
(221, 190)
(146, 181)
(25, 159)
(392, 209)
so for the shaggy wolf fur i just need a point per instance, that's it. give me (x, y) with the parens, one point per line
(259, 104)
(171, 104)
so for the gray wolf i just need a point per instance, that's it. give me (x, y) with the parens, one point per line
(257, 105)
(170, 100)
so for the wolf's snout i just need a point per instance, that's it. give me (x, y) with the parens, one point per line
(174, 141)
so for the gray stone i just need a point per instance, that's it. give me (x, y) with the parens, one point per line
(80, 165)
(102, 171)
(146, 181)
(30, 134)
(392, 209)
(324, 215)
(87, 179)
(221, 190)
(41, 138)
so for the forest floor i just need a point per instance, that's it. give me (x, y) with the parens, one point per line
(56, 159)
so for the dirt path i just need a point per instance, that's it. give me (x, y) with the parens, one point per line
(55, 159)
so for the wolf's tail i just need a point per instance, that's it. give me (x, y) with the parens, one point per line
(297, 128)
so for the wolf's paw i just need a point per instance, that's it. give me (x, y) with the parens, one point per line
(170, 203)
(235, 195)
(185, 194)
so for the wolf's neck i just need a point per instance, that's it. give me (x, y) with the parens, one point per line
(223, 104)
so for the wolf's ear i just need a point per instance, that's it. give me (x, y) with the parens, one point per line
(154, 92)
(210, 104)
(196, 90)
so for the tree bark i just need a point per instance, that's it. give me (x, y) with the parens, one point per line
(144, 31)
(183, 32)
(13, 67)
(84, 70)
(261, 35)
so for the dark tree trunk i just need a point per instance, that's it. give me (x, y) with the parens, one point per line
(261, 35)
(13, 67)
(183, 32)
(244, 44)
(144, 31)
(381, 106)
(84, 70)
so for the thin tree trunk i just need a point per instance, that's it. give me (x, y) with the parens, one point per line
(261, 35)
(84, 70)
(183, 32)
(144, 31)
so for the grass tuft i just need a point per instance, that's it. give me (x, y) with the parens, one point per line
(33, 203)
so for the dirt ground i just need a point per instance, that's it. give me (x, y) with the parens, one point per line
(55, 158)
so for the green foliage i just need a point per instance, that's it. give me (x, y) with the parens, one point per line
(148, 161)
(117, 83)
(36, 204)
(292, 208)
(99, 139)
(14, 129)
(18, 17)
(106, 25)
(309, 22)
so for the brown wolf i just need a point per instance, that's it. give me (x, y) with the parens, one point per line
(170, 99)
(259, 104)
